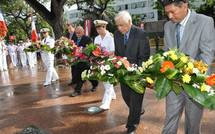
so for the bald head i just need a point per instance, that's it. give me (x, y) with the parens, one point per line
(79, 31)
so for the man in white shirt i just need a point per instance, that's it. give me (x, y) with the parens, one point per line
(48, 57)
(105, 41)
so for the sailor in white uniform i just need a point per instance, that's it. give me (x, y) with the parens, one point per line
(3, 55)
(12, 50)
(48, 57)
(106, 41)
(22, 54)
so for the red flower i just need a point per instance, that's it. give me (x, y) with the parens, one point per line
(211, 80)
(167, 65)
(97, 52)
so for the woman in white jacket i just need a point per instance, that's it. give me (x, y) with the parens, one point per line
(48, 58)
(106, 41)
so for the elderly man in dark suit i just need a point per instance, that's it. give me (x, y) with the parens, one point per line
(131, 42)
(194, 35)
(82, 41)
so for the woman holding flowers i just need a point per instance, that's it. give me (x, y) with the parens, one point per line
(106, 42)
(194, 35)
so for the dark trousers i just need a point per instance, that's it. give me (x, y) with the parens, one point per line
(74, 73)
(134, 103)
(79, 68)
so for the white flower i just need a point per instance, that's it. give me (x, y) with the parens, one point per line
(84, 74)
(165, 54)
(211, 93)
(141, 69)
(103, 72)
(196, 71)
(107, 67)
(110, 75)
(196, 86)
(131, 69)
(110, 59)
(119, 63)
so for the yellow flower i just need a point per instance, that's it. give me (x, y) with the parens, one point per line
(186, 78)
(205, 88)
(141, 69)
(190, 65)
(184, 59)
(201, 66)
(174, 57)
(149, 80)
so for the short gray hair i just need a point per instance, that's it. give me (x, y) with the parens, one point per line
(123, 15)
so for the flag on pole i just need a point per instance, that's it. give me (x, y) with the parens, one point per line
(87, 27)
(34, 35)
(3, 26)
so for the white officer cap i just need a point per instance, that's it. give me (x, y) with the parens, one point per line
(44, 30)
(99, 23)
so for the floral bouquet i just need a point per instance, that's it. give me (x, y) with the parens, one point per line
(174, 71)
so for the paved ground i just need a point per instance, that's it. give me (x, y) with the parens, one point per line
(24, 101)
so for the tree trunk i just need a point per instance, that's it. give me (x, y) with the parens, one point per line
(53, 17)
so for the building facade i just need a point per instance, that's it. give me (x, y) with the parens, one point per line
(143, 8)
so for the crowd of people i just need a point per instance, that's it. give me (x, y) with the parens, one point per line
(13, 55)
(186, 30)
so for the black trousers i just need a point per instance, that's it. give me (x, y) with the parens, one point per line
(134, 103)
(74, 73)
(79, 68)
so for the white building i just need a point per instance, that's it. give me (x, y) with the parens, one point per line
(144, 8)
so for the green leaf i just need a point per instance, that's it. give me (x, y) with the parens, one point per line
(176, 88)
(162, 87)
(201, 97)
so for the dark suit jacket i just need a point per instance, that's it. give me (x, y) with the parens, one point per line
(74, 37)
(137, 49)
(85, 40)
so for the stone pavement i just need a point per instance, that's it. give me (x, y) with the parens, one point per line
(24, 102)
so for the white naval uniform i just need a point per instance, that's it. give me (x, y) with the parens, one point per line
(12, 50)
(48, 59)
(106, 43)
(29, 55)
(22, 55)
(3, 56)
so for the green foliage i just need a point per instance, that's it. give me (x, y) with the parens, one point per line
(202, 98)
(162, 87)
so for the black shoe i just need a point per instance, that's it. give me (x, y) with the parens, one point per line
(142, 112)
(74, 94)
(131, 131)
(71, 84)
(93, 89)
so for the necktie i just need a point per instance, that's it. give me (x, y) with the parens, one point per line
(178, 26)
(125, 39)
(78, 41)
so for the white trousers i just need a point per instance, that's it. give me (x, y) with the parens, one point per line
(23, 59)
(3, 62)
(30, 59)
(51, 74)
(14, 60)
(109, 94)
